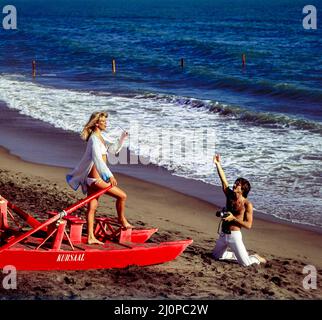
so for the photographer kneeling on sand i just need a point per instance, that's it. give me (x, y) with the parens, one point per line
(239, 214)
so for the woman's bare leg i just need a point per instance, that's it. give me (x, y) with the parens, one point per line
(120, 197)
(91, 209)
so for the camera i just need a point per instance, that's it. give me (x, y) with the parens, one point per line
(222, 213)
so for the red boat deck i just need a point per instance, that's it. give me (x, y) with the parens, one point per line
(59, 243)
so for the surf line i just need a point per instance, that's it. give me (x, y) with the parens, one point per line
(9, 22)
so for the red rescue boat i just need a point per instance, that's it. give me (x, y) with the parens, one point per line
(59, 244)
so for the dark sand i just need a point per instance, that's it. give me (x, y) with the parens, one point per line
(193, 275)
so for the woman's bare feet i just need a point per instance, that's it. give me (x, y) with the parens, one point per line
(260, 259)
(125, 224)
(94, 241)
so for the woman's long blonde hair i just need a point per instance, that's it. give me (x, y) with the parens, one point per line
(91, 124)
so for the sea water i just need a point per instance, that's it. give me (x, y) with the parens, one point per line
(263, 118)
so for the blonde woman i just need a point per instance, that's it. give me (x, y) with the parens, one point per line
(92, 172)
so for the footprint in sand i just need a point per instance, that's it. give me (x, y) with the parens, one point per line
(276, 280)
(69, 280)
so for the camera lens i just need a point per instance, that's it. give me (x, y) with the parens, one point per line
(220, 214)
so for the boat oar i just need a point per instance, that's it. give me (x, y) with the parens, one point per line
(24, 215)
(82, 202)
(30, 232)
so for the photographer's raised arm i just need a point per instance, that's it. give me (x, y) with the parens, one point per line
(221, 172)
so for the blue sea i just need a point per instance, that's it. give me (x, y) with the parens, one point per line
(264, 118)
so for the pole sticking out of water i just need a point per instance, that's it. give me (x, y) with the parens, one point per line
(34, 68)
(182, 63)
(244, 60)
(113, 65)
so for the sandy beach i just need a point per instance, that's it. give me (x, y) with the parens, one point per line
(193, 275)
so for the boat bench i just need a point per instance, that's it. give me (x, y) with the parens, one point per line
(75, 225)
(105, 229)
(75, 228)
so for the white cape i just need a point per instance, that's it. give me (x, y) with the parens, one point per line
(92, 156)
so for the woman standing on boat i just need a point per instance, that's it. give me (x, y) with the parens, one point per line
(92, 172)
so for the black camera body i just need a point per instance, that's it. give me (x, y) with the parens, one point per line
(222, 214)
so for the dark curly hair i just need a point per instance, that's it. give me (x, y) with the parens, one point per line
(245, 186)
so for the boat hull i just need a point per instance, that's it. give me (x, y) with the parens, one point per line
(109, 255)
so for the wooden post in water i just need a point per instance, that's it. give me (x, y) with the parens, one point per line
(244, 60)
(113, 65)
(33, 68)
(182, 63)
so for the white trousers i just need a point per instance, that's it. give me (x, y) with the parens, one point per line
(238, 253)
